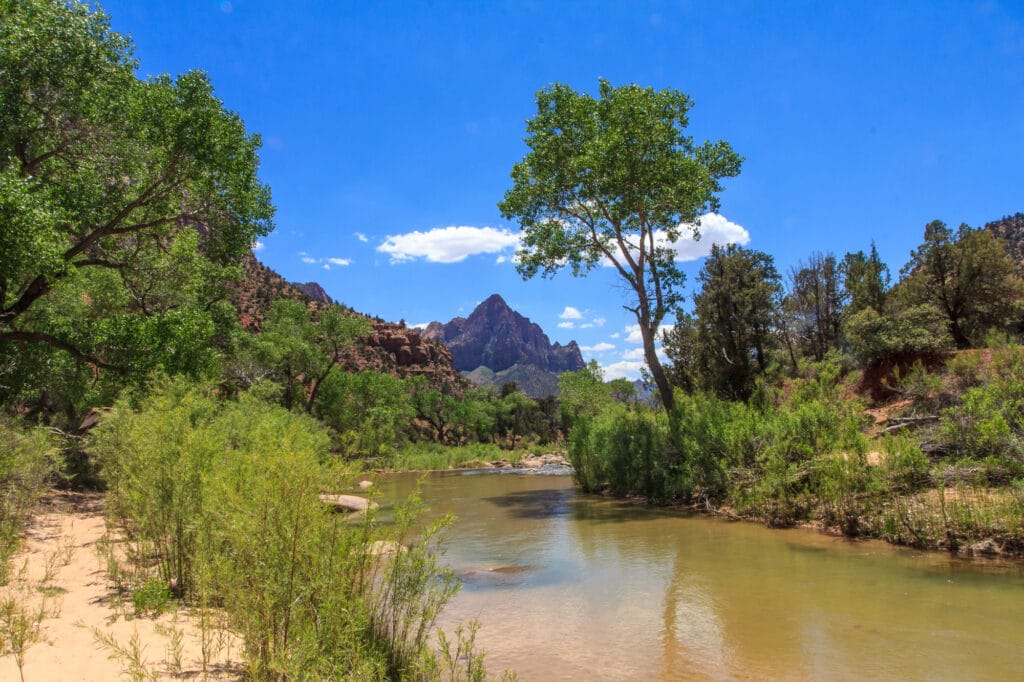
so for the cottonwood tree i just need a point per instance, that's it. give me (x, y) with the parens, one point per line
(103, 172)
(615, 180)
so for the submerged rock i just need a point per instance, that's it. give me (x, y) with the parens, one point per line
(348, 503)
(363, 485)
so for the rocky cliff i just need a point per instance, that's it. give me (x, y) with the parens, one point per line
(1011, 230)
(497, 337)
(391, 348)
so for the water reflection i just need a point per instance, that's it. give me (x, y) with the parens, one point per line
(577, 587)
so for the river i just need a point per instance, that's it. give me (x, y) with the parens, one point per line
(575, 587)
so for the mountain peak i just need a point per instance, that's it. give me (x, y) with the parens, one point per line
(497, 337)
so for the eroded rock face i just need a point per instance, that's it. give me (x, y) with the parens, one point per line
(391, 348)
(497, 337)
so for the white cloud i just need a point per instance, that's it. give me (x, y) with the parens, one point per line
(419, 325)
(566, 325)
(361, 237)
(258, 246)
(633, 333)
(714, 229)
(501, 259)
(615, 335)
(451, 244)
(571, 313)
(625, 369)
(598, 347)
(598, 321)
(633, 354)
(325, 263)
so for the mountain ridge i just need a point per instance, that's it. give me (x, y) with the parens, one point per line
(390, 347)
(496, 337)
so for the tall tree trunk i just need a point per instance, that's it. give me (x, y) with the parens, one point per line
(657, 371)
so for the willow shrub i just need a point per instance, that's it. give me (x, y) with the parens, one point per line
(765, 458)
(224, 496)
(27, 462)
(621, 449)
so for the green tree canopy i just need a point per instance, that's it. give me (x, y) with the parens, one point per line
(865, 281)
(102, 171)
(735, 315)
(615, 180)
(968, 276)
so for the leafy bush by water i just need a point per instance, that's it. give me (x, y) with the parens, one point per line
(224, 497)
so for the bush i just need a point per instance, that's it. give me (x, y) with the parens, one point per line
(919, 330)
(27, 462)
(620, 449)
(989, 421)
(224, 496)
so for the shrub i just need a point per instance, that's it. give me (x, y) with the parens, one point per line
(915, 331)
(621, 449)
(27, 461)
(225, 497)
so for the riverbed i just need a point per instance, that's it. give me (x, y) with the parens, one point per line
(571, 587)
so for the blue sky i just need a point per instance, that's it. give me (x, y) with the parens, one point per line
(390, 129)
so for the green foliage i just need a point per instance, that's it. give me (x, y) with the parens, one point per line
(123, 202)
(615, 177)
(583, 393)
(968, 276)
(224, 497)
(905, 467)
(368, 411)
(911, 332)
(736, 310)
(27, 463)
(435, 456)
(153, 597)
(927, 390)
(989, 421)
(865, 281)
(620, 449)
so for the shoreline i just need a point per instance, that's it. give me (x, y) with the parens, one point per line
(966, 550)
(80, 626)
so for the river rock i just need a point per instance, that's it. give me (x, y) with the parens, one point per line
(363, 485)
(985, 548)
(538, 461)
(348, 503)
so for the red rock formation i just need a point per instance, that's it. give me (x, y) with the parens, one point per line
(391, 348)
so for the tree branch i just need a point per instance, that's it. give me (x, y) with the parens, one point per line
(21, 337)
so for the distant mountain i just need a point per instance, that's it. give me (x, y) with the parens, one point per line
(391, 348)
(314, 291)
(531, 380)
(512, 347)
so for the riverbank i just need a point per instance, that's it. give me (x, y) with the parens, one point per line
(963, 518)
(70, 622)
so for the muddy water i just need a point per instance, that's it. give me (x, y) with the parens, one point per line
(571, 587)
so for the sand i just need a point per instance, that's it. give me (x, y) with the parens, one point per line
(81, 599)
